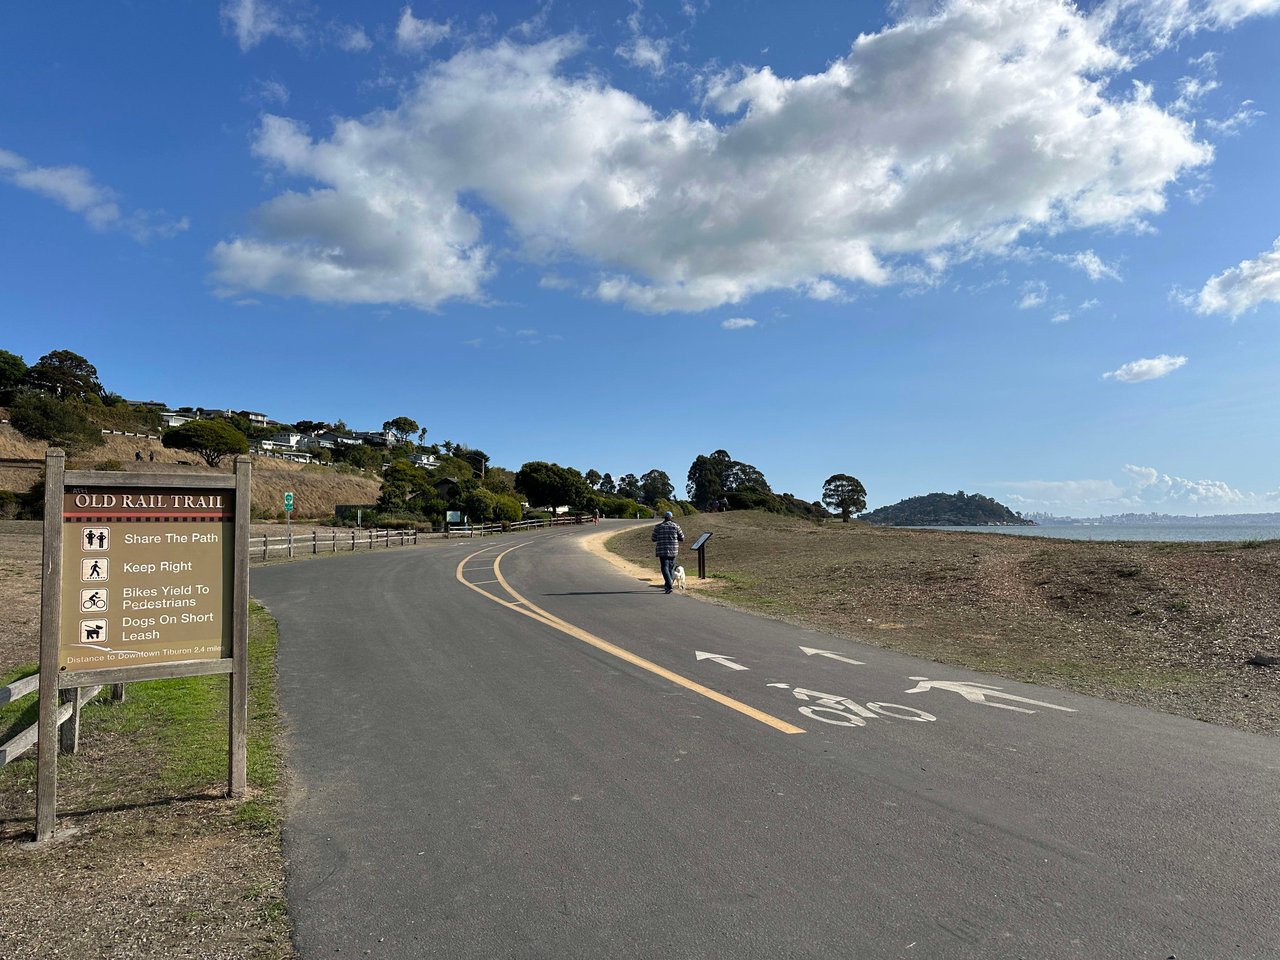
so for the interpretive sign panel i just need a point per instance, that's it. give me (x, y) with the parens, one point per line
(146, 576)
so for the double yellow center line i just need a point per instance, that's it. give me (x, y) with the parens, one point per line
(523, 606)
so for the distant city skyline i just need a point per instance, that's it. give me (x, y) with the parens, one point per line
(1017, 247)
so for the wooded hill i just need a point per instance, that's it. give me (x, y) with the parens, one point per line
(947, 510)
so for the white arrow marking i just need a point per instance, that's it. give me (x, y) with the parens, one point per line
(720, 659)
(810, 651)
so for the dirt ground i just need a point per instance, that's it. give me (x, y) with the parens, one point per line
(1168, 626)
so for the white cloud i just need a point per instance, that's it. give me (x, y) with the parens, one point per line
(271, 92)
(1136, 371)
(1162, 22)
(1242, 288)
(1245, 116)
(648, 53)
(1090, 303)
(936, 137)
(414, 35)
(253, 21)
(1140, 490)
(75, 189)
(737, 323)
(1093, 265)
(1034, 294)
(353, 39)
(1062, 317)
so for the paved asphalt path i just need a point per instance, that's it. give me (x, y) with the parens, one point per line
(472, 781)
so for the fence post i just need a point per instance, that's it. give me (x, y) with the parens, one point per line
(69, 732)
(117, 692)
(353, 541)
(290, 542)
(315, 541)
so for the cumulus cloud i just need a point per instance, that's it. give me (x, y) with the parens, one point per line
(1140, 489)
(1241, 288)
(75, 189)
(737, 323)
(1136, 371)
(414, 35)
(937, 137)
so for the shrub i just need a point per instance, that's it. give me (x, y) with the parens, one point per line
(40, 416)
(110, 465)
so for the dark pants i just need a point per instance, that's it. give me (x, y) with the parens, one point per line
(668, 565)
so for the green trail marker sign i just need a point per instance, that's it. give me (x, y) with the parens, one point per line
(288, 502)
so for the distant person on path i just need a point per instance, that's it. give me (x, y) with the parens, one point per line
(668, 536)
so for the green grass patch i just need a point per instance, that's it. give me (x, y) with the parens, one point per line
(183, 722)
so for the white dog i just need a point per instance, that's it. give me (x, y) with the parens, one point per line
(677, 580)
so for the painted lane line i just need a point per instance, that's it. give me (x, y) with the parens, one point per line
(979, 692)
(720, 659)
(535, 612)
(831, 655)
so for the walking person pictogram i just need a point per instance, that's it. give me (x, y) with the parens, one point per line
(94, 570)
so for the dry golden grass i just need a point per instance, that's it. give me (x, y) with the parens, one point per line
(316, 488)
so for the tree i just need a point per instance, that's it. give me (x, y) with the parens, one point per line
(549, 484)
(593, 479)
(478, 505)
(66, 375)
(44, 417)
(209, 439)
(607, 485)
(501, 481)
(717, 475)
(844, 493)
(401, 427)
(12, 368)
(629, 487)
(656, 485)
(706, 481)
(401, 482)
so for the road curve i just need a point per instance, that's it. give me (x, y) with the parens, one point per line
(538, 756)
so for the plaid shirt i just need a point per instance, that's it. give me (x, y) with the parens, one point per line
(667, 535)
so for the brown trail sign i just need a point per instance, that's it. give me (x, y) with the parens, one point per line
(146, 577)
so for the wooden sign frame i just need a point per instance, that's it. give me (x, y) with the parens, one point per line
(54, 681)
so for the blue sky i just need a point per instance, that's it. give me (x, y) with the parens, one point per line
(1016, 247)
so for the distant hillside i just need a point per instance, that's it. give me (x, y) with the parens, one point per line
(946, 510)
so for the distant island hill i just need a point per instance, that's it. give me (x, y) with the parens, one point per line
(947, 510)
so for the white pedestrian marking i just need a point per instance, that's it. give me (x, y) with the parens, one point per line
(720, 659)
(979, 692)
(831, 655)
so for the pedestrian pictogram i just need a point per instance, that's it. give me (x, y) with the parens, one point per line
(93, 601)
(93, 631)
(95, 538)
(94, 570)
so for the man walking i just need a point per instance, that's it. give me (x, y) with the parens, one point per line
(668, 536)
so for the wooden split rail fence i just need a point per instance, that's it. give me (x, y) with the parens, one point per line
(73, 699)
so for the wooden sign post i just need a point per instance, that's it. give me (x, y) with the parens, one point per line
(146, 577)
